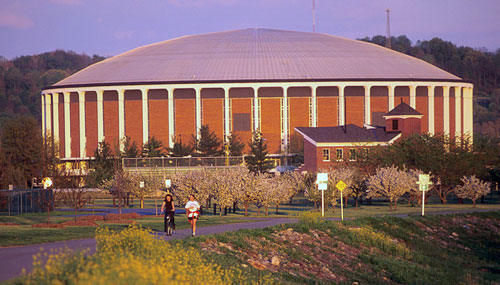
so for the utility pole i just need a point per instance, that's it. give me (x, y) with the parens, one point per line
(388, 31)
(314, 17)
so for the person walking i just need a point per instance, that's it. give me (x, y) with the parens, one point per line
(169, 207)
(192, 212)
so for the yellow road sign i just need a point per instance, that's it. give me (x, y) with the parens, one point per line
(341, 185)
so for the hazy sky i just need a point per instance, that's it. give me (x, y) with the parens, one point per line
(109, 27)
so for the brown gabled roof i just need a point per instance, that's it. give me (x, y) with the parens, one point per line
(347, 134)
(403, 109)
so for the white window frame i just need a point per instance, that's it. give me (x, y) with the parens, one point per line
(326, 152)
(341, 154)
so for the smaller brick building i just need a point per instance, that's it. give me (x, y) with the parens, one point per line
(326, 146)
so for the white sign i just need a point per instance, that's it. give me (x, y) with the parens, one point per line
(322, 178)
(141, 184)
(424, 182)
(423, 185)
(168, 183)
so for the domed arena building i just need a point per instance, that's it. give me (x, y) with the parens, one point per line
(242, 80)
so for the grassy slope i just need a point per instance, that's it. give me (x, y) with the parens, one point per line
(463, 248)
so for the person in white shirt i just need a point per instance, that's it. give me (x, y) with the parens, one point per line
(192, 212)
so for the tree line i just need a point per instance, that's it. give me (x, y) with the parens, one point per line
(22, 79)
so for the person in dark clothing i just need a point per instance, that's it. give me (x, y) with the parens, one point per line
(169, 207)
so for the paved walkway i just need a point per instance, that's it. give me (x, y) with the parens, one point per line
(14, 259)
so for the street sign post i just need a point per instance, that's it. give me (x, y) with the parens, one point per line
(322, 180)
(341, 186)
(423, 185)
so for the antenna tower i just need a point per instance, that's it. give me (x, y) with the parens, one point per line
(314, 17)
(388, 31)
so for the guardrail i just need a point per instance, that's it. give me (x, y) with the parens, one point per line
(166, 162)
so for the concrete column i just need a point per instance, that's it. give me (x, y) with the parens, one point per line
(256, 109)
(314, 107)
(227, 116)
(100, 116)
(145, 116)
(390, 90)
(458, 111)
(55, 131)
(171, 117)
(284, 126)
(413, 96)
(446, 110)
(121, 117)
(468, 112)
(44, 128)
(341, 106)
(48, 114)
(67, 126)
(430, 90)
(83, 137)
(368, 118)
(198, 112)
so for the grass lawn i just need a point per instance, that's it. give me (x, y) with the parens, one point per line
(25, 234)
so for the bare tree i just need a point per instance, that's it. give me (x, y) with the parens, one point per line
(120, 185)
(76, 198)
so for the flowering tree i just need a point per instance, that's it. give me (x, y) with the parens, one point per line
(472, 188)
(197, 183)
(311, 189)
(389, 182)
(281, 189)
(223, 185)
(296, 183)
(346, 174)
(247, 190)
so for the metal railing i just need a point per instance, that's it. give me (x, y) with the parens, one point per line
(167, 162)
(25, 200)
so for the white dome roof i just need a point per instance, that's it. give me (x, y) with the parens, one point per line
(254, 55)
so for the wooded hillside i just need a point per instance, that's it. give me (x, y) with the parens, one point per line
(22, 79)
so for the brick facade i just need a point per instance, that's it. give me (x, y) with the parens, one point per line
(91, 122)
(133, 116)
(74, 113)
(110, 114)
(158, 115)
(271, 123)
(62, 149)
